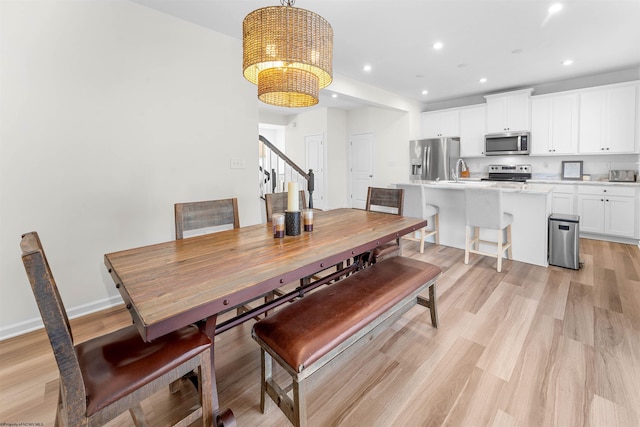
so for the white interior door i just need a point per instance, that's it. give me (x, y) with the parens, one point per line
(314, 148)
(362, 161)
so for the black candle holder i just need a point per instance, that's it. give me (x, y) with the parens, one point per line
(292, 223)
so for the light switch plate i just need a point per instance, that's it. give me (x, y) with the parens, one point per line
(237, 164)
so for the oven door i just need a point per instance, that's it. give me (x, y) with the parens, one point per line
(506, 144)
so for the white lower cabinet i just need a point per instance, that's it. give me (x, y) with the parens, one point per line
(563, 199)
(607, 210)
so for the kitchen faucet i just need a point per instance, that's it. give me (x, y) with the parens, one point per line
(460, 165)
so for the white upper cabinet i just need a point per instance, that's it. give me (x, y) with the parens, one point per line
(508, 111)
(440, 124)
(608, 119)
(554, 124)
(472, 131)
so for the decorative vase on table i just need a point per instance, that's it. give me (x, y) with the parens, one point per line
(292, 214)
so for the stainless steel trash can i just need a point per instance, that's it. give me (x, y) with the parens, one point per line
(564, 241)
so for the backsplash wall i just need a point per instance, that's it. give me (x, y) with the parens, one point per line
(549, 167)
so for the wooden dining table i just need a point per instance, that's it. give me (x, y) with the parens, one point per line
(173, 284)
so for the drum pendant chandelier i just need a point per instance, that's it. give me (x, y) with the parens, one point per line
(287, 52)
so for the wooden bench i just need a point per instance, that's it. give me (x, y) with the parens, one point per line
(307, 334)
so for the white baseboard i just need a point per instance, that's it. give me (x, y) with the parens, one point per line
(607, 238)
(23, 327)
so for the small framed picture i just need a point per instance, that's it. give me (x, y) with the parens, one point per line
(572, 170)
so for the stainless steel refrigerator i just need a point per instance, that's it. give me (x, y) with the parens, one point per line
(433, 159)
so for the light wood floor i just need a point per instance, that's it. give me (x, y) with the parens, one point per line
(530, 346)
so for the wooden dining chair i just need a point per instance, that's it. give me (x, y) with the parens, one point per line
(209, 215)
(386, 200)
(110, 374)
(277, 203)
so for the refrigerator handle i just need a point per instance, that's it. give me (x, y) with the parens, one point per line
(426, 168)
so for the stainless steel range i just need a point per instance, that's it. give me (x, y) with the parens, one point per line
(513, 173)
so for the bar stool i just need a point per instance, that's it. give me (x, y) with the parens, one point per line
(415, 205)
(483, 209)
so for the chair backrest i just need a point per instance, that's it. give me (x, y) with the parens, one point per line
(483, 208)
(278, 202)
(55, 320)
(200, 215)
(388, 200)
(414, 202)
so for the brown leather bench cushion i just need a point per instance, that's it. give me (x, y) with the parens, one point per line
(119, 363)
(304, 331)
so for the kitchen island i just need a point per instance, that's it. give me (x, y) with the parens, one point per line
(530, 205)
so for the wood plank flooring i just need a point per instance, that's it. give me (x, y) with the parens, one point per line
(530, 346)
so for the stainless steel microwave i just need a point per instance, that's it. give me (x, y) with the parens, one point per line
(507, 143)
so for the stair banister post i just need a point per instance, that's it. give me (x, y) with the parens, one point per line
(310, 187)
(274, 179)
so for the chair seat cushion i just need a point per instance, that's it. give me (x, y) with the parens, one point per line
(430, 210)
(507, 219)
(119, 363)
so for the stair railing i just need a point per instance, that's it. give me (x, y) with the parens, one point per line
(276, 169)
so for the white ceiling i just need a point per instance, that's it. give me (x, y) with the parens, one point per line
(512, 43)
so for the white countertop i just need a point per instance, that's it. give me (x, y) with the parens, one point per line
(598, 182)
(512, 187)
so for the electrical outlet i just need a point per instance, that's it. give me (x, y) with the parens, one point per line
(237, 164)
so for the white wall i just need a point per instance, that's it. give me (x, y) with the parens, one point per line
(391, 130)
(111, 113)
(337, 164)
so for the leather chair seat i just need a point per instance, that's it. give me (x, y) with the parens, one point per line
(116, 364)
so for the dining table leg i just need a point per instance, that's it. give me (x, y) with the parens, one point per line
(223, 418)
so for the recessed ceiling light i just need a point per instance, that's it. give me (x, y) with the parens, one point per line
(424, 92)
(567, 62)
(462, 65)
(483, 80)
(555, 8)
(516, 51)
(367, 68)
(437, 45)
(335, 95)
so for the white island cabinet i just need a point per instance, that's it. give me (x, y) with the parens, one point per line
(530, 205)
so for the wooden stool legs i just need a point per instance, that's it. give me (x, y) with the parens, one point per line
(472, 245)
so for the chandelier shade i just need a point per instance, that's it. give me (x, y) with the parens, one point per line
(287, 52)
